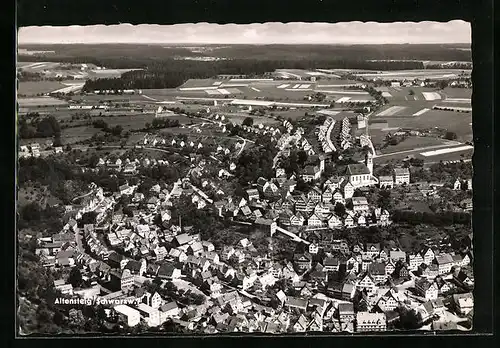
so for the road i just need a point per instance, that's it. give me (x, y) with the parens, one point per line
(291, 235)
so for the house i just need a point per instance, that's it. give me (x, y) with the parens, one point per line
(360, 205)
(252, 194)
(314, 194)
(401, 271)
(361, 220)
(297, 219)
(428, 255)
(126, 189)
(372, 250)
(314, 221)
(414, 261)
(390, 267)
(369, 322)
(463, 280)
(443, 285)
(331, 264)
(296, 303)
(311, 173)
(302, 261)
(401, 176)
(386, 182)
(377, 272)
(430, 309)
(349, 221)
(339, 198)
(464, 303)
(168, 271)
(359, 175)
(327, 195)
(457, 185)
(313, 248)
(444, 263)
(366, 283)
(428, 271)
(334, 222)
(346, 312)
(348, 189)
(426, 289)
(388, 302)
(129, 315)
(66, 289)
(397, 255)
(169, 310)
(301, 324)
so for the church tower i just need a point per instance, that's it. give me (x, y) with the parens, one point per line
(369, 161)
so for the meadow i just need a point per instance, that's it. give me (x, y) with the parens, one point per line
(32, 88)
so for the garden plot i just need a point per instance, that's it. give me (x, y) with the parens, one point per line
(431, 95)
(391, 111)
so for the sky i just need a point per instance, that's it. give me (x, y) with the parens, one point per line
(263, 33)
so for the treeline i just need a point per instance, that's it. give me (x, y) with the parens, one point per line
(39, 127)
(436, 219)
(121, 53)
(173, 73)
(158, 123)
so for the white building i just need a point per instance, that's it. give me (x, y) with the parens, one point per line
(131, 316)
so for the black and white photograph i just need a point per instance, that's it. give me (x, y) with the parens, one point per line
(267, 178)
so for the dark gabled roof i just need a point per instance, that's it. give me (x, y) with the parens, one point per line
(357, 169)
(133, 266)
(346, 308)
(377, 268)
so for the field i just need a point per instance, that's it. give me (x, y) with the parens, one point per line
(457, 92)
(33, 88)
(411, 143)
(413, 74)
(395, 94)
(40, 101)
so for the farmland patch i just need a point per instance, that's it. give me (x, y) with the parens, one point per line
(431, 96)
(391, 111)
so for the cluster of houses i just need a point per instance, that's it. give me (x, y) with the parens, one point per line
(34, 150)
(320, 295)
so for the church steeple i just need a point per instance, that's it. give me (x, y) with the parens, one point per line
(369, 161)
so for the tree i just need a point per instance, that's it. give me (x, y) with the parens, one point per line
(31, 212)
(442, 84)
(411, 92)
(248, 122)
(339, 209)
(450, 135)
(75, 277)
(117, 130)
(88, 218)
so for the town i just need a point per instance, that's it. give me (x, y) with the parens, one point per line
(278, 203)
